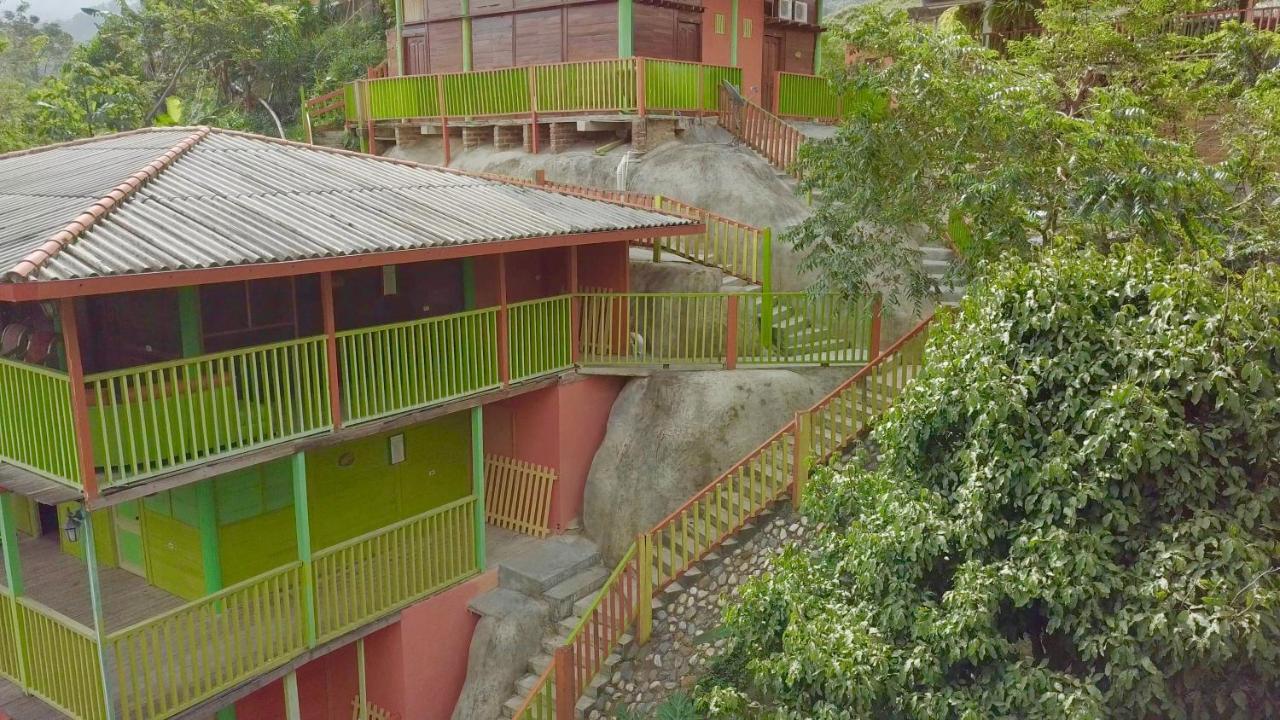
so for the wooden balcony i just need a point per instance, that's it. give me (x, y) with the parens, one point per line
(161, 655)
(144, 422)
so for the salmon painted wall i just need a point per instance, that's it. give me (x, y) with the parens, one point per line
(414, 668)
(584, 416)
(560, 427)
(751, 50)
(716, 45)
(435, 642)
(606, 265)
(537, 274)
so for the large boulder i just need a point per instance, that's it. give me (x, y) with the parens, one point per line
(510, 632)
(672, 433)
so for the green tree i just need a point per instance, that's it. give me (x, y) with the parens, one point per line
(1089, 130)
(87, 100)
(1075, 514)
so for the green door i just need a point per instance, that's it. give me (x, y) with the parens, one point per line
(129, 537)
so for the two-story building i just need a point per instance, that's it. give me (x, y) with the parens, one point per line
(248, 390)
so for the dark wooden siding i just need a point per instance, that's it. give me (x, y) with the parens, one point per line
(797, 50)
(538, 37)
(444, 46)
(591, 32)
(491, 45)
(656, 30)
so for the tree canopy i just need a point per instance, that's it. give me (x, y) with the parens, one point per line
(233, 63)
(1076, 514)
(1109, 126)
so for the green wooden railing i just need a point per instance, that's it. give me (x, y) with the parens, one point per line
(806, 96)
(369, 576)
(541, 340)
(394, 368)
(9, 645)
(62, 661)
(778, 467)
(171, 662)
(162, 417)
(805, 329)
(627, 85)
(36, 426)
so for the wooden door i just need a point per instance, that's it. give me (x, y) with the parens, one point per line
(688, 41)
(415, 55)
(770, 67)
(128, 526)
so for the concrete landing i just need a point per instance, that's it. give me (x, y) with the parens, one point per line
(547, 564)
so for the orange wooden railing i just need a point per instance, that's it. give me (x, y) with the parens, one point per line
(777, 468)
(760, 129)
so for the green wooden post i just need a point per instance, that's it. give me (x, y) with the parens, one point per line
(189, 321)
(207, 519)
(657, 246)
(626, 29)
(364, 686)
(99, 617)
(817, 43)
(766, 287)
(226, 713)
(733, 36)
(466, 35)
(292, 707)
(302, 526)
(477, 480)
(13, 573)
(400, 37)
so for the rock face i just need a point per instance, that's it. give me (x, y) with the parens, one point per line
(509, 633)
(703, 167)
(648, 276)
(670, 434)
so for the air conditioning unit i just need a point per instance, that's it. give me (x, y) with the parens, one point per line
(784, 9)
(800, 12)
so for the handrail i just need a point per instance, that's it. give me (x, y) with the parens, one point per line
(187, 607)
(390, 528)
(73, 625)
(168, 364)
(760, 129)
(555, 693)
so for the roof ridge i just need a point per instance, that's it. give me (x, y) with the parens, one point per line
(100, 208)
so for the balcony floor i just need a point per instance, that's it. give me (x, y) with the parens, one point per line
(60, 582)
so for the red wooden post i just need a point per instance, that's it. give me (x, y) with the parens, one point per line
(533, 108)
(504, 367)
(640, 109)
(540, 177)
(731, 334)
(331, 347)
(566, 685)
(79, 398)
(444, 116)
(575, 303)
(777, 93)
(876, 309)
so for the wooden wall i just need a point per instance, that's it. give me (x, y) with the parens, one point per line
(667, 32)
(509, 32)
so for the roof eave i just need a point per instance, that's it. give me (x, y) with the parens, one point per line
(25, 289)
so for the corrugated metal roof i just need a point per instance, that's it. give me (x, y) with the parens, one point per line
(234, 199)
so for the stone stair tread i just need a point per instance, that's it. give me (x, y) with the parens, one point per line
(547, 564)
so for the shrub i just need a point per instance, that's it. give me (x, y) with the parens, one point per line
(1076, 514)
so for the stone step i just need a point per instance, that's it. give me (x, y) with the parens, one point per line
(936, 267)
(936, 252)
(547, 564)
(562, 596)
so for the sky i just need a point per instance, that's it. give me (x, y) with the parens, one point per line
(51, 10)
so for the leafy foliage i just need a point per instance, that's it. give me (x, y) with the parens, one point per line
(234, 63)
(1076, 513)
(1090, 131)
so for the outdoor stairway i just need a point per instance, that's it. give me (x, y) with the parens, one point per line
(565, 573)
(799, 335)
(937, 261)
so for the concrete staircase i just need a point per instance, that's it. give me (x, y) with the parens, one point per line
(565, 573)
(937, 261)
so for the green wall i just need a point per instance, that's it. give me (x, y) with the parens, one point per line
(104, 536)
(352, 489)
